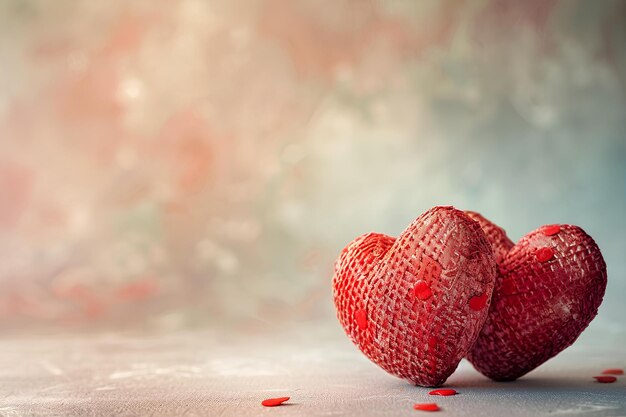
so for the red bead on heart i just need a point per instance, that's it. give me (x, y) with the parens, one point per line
(361, 319)
(422, 291)
(478, 302)
(551, 230)
(544, 254)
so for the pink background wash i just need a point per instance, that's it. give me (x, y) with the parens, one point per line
(174, 163)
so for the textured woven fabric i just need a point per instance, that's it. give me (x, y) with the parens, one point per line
(549, 287)
(500, 242)
(414, 305)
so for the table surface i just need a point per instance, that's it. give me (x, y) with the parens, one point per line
(216, 373)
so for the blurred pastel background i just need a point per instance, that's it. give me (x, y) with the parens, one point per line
(178, 177)
(168, 165)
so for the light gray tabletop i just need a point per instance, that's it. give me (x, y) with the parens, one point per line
(218, 373)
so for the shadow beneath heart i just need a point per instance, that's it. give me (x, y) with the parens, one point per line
(544, 383)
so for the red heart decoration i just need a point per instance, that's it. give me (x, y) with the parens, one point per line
(415, 305)
(549, 287)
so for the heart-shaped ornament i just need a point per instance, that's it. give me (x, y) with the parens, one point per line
(549, 287)
(415, 305)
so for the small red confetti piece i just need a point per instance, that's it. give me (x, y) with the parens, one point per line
(613, 371)
(544, 254)
(443, 392)
(426, 407)
(551, 230)
(273, 402)
(422, 291)
(478, 302)
(605, 379)
(361, 319)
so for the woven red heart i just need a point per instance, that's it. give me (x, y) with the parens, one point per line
(414, 305)
(549, 287)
